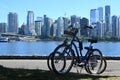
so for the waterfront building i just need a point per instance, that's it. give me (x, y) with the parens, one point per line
(22, 28)
(53, 29)
(38, 26)
(118, 27)
(3, 27)
(60, 27)
(108, 27)
(30, 27)
(84, 21)
(94, 16)
(66, 23)
(75, 19)
(100, 13)
(96, 19)
(13, 22)
(46, 27)
(100, 29)
(114, 25)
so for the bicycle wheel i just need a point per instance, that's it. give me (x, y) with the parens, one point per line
(103, 67)
(62, 62)
(96, 64)
(49, 61)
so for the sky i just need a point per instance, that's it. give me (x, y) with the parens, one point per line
(54, 8)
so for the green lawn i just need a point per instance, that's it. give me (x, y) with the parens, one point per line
(24, 74)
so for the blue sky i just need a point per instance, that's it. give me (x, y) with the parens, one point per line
(54, 8)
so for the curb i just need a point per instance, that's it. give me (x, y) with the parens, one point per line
(45, 57)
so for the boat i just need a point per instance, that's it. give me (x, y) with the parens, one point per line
(4, 39)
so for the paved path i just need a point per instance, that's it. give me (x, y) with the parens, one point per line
(113, 66)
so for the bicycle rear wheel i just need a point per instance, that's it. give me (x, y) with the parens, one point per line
(62, 62)
(96, 64)
(103, 67)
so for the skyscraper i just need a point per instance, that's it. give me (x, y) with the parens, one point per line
(118, 27)
(30, 28)
(38, 26)
(100, 13)
(108, 27)
(75, 19)
(46, 27)
(84, 21)
(3, 27)
(94, 16)
(13, 22)
(114, 25)
(60, 28)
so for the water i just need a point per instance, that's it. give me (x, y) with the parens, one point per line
(46, 47)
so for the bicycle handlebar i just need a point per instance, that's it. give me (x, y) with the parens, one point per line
(73, 31)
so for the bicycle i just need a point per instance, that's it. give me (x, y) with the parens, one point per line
(70, 55)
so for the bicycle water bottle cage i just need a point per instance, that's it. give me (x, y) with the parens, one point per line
(92, 41)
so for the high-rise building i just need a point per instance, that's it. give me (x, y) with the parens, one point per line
(66, 22)
(38, 26)
(47, 26)
(54, 29)
(94, 16)
(84, 21)
(96, 19)
(100, 28)
(114, 25)
(13, 22)
(3, 27)
(22, 29)
(75, 19)
(30, 28)
(60, 28)
(108, 27)
(118, 27)
(100, 13)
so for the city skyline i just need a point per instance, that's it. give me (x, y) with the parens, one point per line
(63, 8)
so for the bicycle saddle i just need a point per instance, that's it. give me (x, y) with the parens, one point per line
(92, 40)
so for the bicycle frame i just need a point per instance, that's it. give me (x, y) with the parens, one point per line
(78, 51)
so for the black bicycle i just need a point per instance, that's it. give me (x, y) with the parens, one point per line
(69, 53)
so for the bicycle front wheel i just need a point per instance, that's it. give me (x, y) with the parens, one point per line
(49, 61)
(96, 64)
(62, 62)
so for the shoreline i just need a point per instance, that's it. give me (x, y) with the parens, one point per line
(45, 57)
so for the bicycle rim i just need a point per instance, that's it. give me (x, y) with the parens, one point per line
(94, 62)
(62, 62)
(49, 61)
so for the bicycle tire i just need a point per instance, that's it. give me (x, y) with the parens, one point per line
(104, 66)
(65, 53)
(93, 61)
(49, 62)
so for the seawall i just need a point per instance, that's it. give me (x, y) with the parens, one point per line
(45, 57)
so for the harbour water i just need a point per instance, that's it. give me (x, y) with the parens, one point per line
(30, 48)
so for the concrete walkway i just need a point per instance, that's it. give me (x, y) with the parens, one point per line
(113, 66)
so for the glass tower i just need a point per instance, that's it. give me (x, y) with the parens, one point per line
(107, 20)
(30, 28)
(100, 10)
(13, 22)
(94, 16)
